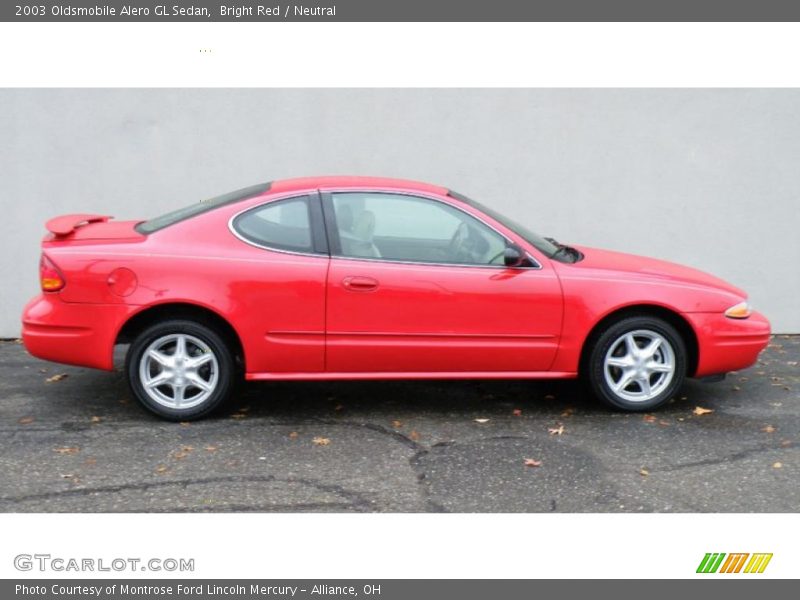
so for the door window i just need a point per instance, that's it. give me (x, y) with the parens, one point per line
(412, 229)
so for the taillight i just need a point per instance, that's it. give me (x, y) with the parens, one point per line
(50, 277)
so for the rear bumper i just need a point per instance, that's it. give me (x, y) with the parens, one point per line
(728, 344)
(71, 333)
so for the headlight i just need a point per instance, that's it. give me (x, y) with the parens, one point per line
(739, 311)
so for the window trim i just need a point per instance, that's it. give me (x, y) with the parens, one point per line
(335, 247)
(319, 238)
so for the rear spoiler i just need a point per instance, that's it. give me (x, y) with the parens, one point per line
(65, 224)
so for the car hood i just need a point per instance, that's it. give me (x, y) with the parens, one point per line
(620, 262)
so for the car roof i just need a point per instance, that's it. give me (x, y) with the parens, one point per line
(347, 181)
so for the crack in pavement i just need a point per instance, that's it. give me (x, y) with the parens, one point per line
(720, 460)
(356, 500)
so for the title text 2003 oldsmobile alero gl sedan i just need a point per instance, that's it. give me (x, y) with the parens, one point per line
(364, 278)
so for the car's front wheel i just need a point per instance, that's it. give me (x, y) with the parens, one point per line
(180, 370)
(637, 363)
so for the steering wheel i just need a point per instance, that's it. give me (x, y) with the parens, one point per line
(458, 240)
(496, 256)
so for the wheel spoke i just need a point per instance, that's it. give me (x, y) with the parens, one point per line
(660, 367)
(160, 379)
(180, 347)
(651, 348)
(630, 345)
(624, 381)
(644, 384)
(160, 358)
(198, 361)
(198, 382)
(619, 361)
(179, 394)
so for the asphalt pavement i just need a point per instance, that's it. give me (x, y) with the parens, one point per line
(74, 440)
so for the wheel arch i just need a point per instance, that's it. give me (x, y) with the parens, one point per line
(674, 318)
(139, 321)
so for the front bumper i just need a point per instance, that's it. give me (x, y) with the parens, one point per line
(72, 333)
(728, 344)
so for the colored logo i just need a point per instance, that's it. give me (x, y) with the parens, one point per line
(719, 562)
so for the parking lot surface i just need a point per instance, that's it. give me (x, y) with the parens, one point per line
(74, 440)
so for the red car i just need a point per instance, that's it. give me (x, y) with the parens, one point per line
(367, 278)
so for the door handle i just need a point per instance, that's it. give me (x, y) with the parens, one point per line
(360, 284)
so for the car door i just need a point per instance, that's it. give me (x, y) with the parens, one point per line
(417, 285)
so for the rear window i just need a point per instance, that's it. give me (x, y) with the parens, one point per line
(201, 207)
(283, 225)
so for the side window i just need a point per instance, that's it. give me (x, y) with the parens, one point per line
(412, 229)
(283, 225)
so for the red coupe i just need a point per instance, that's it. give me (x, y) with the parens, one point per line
(367, 278)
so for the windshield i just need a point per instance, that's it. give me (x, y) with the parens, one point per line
(543, 245)
(200, 207)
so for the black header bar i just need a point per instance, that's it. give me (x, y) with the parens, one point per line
(404, 10)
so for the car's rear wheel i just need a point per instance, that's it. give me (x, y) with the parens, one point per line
(637, 363)
(180, 370)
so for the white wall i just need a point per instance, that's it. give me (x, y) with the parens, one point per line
(710, 178)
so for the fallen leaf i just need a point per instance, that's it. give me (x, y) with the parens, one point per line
(161, 469)
(320, 441)
(238, 415)
(481, 420)
(532, 462)
(90, 462)
(556, 430)
(414, 436)
(736, 388)
(699, 410)
(338, 407)
(649, 418)
(56, 377)
(397, 424)
(210, 448)
(786, 443)
(549, 397)
(568, 412)
(777, 465)
(187, 448)
(768, 429)
(664, 423)
(644, 472)
(18, 341)
(179, 455)
(184, 423)
(96, 419)
(25, 421)
(293, 435)
(67, 450)
(517, 412)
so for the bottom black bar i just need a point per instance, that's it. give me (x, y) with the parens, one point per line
(386, 589)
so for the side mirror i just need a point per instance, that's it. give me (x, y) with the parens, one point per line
(513, 256)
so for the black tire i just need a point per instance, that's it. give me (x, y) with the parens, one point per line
(198, 338)
(615, 335)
